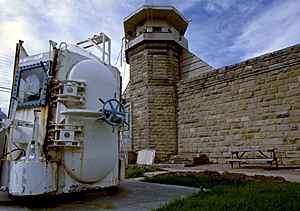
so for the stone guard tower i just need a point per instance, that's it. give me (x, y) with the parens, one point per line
(155, 39)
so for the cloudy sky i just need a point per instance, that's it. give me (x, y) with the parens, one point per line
(221, 32)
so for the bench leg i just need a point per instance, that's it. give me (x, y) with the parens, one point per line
(275, 158)
(231, 163)
(276, 163)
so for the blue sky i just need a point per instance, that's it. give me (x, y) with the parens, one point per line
(221, 32)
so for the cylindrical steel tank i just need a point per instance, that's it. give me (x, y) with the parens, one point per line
(98, 153)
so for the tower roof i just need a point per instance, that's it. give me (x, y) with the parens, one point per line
(148, 12)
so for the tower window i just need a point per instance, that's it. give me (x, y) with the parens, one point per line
(157, 29)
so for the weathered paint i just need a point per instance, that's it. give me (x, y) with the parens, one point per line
(63, 167)
(32, 177)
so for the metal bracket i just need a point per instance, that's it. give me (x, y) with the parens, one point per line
(64, 135)
(71, 93)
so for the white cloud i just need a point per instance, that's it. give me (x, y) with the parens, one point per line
(13, 30)
(37, 21)
(183, 5)
(217, 5)
(272, 29)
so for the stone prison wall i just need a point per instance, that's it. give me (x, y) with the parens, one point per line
(153, 77)
(253, 103)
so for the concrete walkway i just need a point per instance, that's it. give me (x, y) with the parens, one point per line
(291, 175)
(131, 195)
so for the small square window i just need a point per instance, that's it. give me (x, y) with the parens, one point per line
(32, 85)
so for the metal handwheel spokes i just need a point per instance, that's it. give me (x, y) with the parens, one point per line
(114, 112)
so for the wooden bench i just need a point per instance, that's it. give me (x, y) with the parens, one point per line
(262, 155)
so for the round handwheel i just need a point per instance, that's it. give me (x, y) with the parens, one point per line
(114, 112)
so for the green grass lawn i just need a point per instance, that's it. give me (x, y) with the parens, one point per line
(232, 192)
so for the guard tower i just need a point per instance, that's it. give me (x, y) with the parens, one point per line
(155, 39)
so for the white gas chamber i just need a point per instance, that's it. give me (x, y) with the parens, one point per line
(65, 120)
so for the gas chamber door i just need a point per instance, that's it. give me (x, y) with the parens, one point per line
(98, 153)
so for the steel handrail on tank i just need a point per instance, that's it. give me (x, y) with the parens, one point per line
(101, 42)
